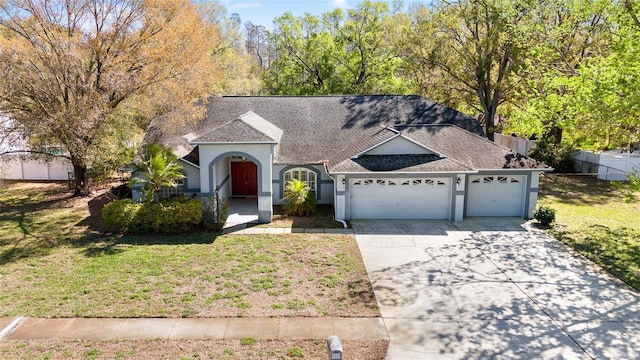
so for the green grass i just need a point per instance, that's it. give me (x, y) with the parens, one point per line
(53, 265)
(593, 217)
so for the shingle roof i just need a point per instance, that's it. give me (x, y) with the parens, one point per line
(461, 150)
(237, 131)
(319, 128)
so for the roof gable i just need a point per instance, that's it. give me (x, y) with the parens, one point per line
(398, 145)
(255, 121)
(248, 128)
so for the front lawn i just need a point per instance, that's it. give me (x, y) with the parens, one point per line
(594, 218)
(53, 265)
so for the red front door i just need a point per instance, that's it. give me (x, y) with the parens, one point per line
(244, 178)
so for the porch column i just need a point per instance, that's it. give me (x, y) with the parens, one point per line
(265, 191)
(265, 208)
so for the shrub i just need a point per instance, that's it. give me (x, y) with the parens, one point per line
(175, 215)
(213, 218)
(298, 199)
(546, 215)
(558, 156)
(118, 214)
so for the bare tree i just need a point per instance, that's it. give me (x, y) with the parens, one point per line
(74, 71)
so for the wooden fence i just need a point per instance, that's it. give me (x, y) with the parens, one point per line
(519, 145)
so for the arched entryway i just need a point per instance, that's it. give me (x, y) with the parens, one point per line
(242, 178)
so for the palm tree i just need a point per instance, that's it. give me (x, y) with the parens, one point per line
(160, 168)
(299, 200)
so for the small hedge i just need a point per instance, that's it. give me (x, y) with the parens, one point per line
(175, 215)
(546, 215)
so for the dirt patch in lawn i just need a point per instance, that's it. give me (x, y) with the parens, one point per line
(322, 218)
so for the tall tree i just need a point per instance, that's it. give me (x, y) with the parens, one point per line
(73, 71)
(569, 37)
(338, 53)
(476, 46)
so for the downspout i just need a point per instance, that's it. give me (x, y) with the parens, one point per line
(344, 224)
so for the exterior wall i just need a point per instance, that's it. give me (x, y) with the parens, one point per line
(534, 189)
(214, 156)
(398, 146)
(192, 173)
(223, 178)
(325, 183)
(340, 202)
(459, 191)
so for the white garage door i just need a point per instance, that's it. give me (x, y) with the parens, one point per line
(496, 195)
(419, 198)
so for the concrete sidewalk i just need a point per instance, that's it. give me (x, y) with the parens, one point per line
(209, 328)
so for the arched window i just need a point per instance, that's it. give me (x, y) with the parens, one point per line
(302, 174)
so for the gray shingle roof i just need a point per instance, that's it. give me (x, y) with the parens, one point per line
(236, 131)
(462, 151)
(319, 128)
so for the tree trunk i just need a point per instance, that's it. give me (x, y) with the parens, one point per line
(80, 174)
(490, 123)
(554, 133)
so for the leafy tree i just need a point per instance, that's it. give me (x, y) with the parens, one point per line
(239, 75)
(474, 47)
(338, 53)
(569, 36)
(160, 167)
(74, 72)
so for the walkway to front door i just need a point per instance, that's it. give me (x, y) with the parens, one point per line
(242, 211)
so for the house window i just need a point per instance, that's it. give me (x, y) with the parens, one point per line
(302, 174)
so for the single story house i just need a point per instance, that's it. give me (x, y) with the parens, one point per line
(372, 157)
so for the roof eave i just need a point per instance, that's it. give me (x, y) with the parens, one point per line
(189, 162)
(402, 172)
(233, 142)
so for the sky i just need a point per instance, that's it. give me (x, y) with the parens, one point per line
(262, 12)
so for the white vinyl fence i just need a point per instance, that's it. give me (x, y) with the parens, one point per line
(610, 165)
(15, 167)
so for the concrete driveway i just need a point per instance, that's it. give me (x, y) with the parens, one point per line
(487, 288)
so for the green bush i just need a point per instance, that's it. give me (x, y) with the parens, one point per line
(171, 216)
(557, 156)
(213, 218)
(546, 215)
(299, 200)
(118, 214)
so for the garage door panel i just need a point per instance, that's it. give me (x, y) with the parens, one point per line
(494, 195)
(400, 198)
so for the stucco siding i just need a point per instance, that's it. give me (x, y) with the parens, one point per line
(193, 176)
(325, 183)
(223, 178)
(398, 146)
